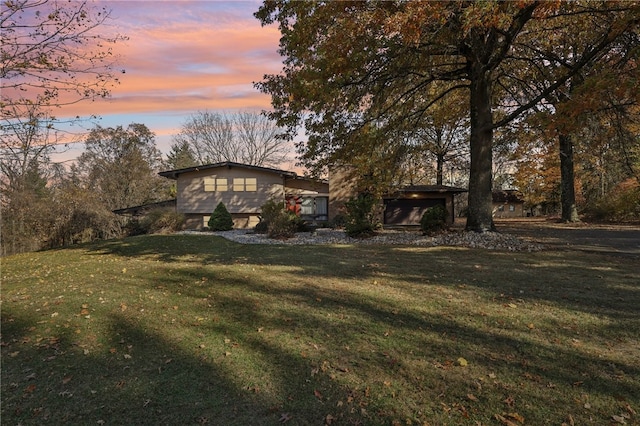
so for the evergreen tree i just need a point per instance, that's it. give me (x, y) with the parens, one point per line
(220, 219)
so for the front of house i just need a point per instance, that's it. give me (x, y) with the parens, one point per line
(507, 204)
(243, 189)
(402, 207)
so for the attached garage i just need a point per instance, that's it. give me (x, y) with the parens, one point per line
(406, 207)
(408, 211)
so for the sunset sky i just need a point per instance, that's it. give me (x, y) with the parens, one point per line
(183, 57)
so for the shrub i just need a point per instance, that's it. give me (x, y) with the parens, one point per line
(220, 219)
(622, 204)
(163, 221)
(338, 221)
(360, 217)
(157, 221)
(283, 225)
(277, 222)
(268, 212)
(434, 219)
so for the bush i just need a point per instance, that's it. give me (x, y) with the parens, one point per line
(158, 221)
(434, 219)
(268, 212)
(360, 218)
(283, 225)
(622, 204)
(338, 221)
(277, 222)
(220, 219)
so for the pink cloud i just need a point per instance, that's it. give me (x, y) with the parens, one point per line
(187, 56)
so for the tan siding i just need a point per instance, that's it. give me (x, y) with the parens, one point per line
(342, 187)
(518, 211)
(192, 198)
(305, 187)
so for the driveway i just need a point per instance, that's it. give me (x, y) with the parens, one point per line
(614, 239)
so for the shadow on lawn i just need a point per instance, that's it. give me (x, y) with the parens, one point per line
(612, 282)
(307, 328)
(137, 376)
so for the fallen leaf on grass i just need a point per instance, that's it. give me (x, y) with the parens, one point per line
(472, 397)
(509, 419)
(463, 362)
(619, 419)
(285, 417)
(317, 394)
(329, 419)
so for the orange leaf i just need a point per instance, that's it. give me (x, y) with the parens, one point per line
(517, 417)
(317, 394)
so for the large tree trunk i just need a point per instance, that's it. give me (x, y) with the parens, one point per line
(480, 218)
(567, 180)
(439, 168)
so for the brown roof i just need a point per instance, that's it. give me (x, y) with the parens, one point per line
(507, 196)
(173, 174)
(442, 189)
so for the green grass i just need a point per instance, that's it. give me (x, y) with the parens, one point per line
(198, 330)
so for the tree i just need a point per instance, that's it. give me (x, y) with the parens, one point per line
(25, 168)
(121, 165)
(53, 54)
(444, 133)
(350, 64)
(242, 137)
(181, 156)
(220, 219)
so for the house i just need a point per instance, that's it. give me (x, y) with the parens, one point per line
(402, 207)
(407, 205)
(507, 203)
(243, 189)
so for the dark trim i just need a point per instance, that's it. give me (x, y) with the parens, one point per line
(426, 189)
(173, 174)
(136, 210)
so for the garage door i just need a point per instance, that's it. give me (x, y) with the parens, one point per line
(408, 211)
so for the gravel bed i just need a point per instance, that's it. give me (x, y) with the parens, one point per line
(486, 240)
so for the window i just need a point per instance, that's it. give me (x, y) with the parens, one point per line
(512, 208)
(500, 208)
(213, 184)
(322, 206)
(209, 184)
(245, 184)
(306, 207)
(314, 208)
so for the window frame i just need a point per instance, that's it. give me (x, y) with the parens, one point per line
(214, 184)
(243, 184)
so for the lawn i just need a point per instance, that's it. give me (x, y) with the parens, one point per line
(194, 329)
